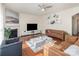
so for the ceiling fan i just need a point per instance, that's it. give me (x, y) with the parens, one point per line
(44, 6)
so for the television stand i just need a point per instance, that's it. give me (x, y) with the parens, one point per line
(33, 32)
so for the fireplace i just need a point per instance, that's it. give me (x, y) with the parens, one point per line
(14, 33)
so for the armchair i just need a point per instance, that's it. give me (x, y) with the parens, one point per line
(13, 47)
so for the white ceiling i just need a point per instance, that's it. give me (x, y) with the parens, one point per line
(32, 8)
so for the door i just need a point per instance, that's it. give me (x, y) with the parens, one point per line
(75, 24)
(78, 26)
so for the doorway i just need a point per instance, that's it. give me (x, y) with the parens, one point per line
(75, 25)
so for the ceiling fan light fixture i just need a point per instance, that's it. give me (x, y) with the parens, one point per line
(42, 9)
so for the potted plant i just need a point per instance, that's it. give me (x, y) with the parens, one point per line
(7, 33)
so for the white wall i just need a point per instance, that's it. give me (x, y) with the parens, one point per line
(65, 20)
(11, 13)
(1, 23)
(27, 18)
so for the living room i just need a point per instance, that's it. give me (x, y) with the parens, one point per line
(67, 11)
(36, 25)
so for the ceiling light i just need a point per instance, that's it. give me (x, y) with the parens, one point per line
(44, 6)
(42, 9)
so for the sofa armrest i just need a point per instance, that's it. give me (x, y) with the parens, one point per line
(7, 45)
(77, 42)
(56, 52)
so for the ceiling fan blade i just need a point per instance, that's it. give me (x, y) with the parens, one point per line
(48, 6)
(41, 6)
(44, 7)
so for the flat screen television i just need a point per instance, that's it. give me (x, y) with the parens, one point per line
(31, 27)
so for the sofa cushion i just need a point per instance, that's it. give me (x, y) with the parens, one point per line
(71, 39)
